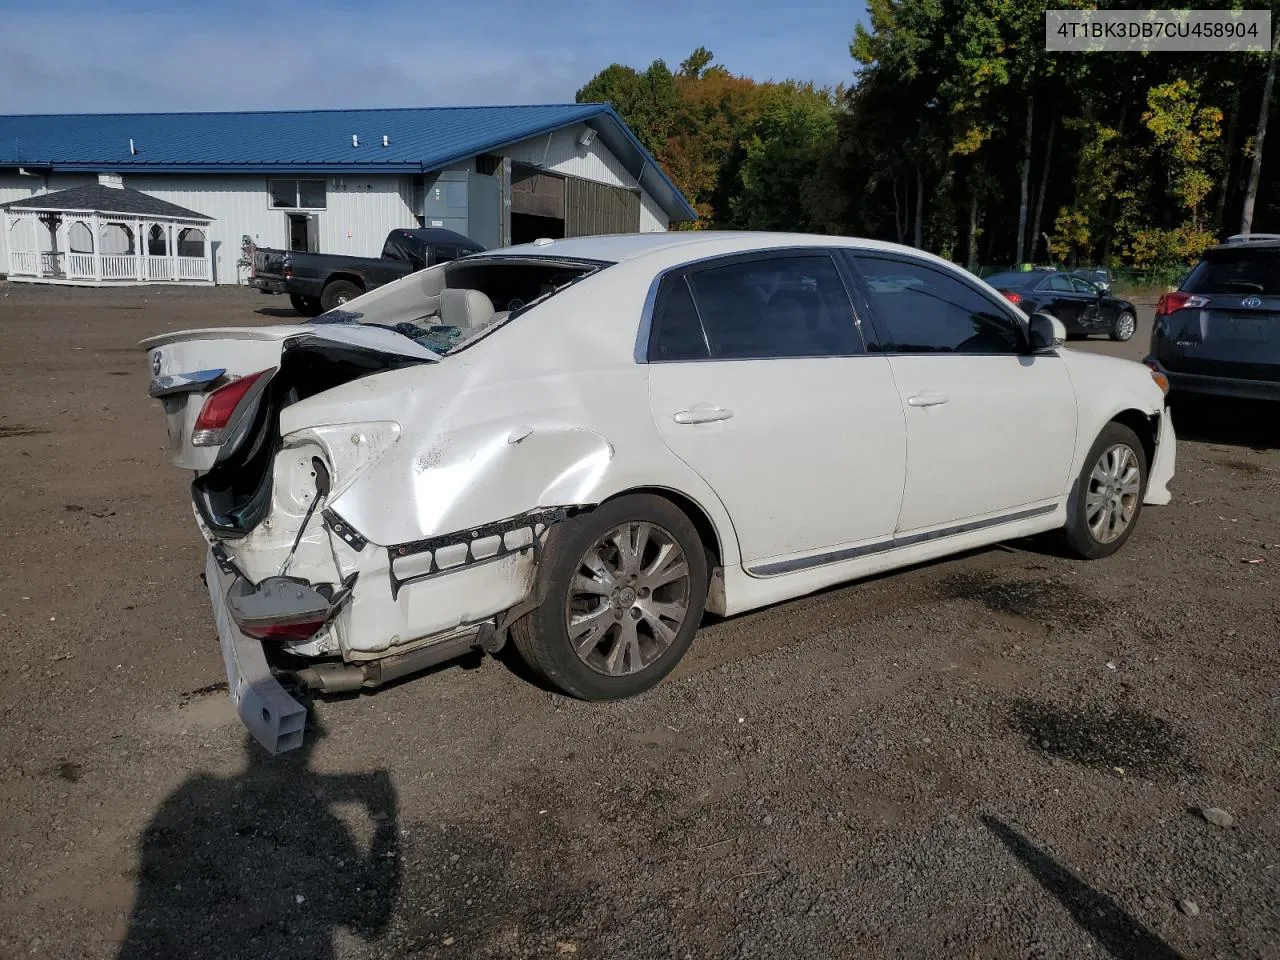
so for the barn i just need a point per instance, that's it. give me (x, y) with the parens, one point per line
(324, 181)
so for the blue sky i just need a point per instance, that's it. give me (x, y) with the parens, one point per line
(143, 55)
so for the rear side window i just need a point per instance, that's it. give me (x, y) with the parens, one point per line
(1237, 271)
(919, 309)
(767, 308)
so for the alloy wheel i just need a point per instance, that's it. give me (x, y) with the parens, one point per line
(1125, 326)
(1112, 498)
(628, 599)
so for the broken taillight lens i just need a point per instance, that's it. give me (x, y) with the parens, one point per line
(295, 630)
(219, 408)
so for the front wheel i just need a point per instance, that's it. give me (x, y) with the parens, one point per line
(626, 585)
(338, 292)
(1125, 326)
(1106, 500)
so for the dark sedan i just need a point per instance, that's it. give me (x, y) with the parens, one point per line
(1219, 332)
(1083, 309)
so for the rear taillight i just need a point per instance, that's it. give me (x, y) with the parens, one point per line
(220, 408)
(1173, 302)
(1012, 297)
(288, 273)
(295, 630)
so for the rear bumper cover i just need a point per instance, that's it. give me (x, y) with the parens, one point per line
(268, 286)
(274, 718)
(1219, 386)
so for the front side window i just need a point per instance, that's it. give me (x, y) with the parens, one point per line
(297, 194)
(1058, 284)
(1083, 286)
(764, 308)
(921, 309)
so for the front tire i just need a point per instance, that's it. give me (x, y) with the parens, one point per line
(338, 292)
(1124, 327)
(626, 585)
(1106, 501)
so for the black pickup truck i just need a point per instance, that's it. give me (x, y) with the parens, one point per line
(316, 282)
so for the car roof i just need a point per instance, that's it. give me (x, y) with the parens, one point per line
(1245, 246)
(696, 244)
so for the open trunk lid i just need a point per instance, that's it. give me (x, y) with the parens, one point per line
(191, 366)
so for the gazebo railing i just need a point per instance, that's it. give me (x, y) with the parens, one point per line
(80, 266)
(119, 266)
(193, 268)
(159, 268)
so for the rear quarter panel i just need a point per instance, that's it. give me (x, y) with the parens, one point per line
(549, 410)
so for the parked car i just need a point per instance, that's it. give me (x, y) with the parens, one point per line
(1083, 309)
(316, 282)
(1219, 332)
(626, 432)
(1100, 277)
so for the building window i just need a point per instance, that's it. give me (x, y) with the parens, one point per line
(297, 194)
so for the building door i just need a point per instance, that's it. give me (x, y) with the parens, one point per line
(537, 205)
(304, 232)
(593, 209)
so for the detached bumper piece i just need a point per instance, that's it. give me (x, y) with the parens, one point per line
(453, 551)
(275, 719)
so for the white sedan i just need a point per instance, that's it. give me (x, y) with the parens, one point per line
(582, 445)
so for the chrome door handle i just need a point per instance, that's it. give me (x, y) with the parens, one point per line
(702, 413)
(926, 400)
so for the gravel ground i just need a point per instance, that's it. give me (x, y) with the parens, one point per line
(1000, 755)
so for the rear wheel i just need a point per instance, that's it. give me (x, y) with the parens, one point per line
(1125, 326)
(1106, 501)
(338, 292)
(626, 587)
(307, 306)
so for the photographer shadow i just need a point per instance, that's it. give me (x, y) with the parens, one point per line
(263, 864)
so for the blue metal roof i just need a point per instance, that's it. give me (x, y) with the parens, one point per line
(420, 139)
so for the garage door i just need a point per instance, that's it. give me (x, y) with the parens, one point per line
(595, 208)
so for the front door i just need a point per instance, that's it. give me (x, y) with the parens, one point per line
(304, 232)
(759, 380)
(990, 427)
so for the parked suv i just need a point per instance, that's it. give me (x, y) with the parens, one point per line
(1219, 332)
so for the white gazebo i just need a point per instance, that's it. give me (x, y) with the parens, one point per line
(106, 234)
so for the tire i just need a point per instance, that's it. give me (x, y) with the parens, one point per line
(338, 292)
(1093, 493)
(628, 644)
(307, 306)
(1125, 326)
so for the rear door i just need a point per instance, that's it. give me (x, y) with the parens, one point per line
(990, 427)
(1061, 300)
(760, 381)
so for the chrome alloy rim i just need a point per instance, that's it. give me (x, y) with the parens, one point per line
(1125, 325)
(1112, 498)
(628, 600)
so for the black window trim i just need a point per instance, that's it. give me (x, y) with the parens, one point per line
(647, 333)
(1001, 306)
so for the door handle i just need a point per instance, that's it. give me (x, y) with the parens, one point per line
(702, 413)
(926, 400)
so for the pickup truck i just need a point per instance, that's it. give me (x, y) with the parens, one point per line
(317, 282)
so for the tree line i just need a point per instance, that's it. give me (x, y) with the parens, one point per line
(960, 134)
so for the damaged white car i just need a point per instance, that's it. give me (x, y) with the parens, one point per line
(582, 445)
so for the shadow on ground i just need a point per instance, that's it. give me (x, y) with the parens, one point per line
(264, 864)
(1115, 929)
(281, 313)
(1241, 423)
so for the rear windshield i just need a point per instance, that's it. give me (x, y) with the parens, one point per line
(1236, 271)
(448, 306)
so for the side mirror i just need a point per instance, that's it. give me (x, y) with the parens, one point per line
(1047, 333)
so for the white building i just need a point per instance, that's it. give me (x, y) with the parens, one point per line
(338, 181)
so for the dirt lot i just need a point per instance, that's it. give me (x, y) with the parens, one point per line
(1001, 755)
